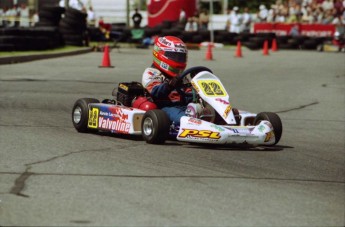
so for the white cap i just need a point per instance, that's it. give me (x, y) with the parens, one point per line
(235, 8)
(262, 7)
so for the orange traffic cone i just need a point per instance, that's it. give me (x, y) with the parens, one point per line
(265, 49)
(106, 59)
(209, 55)
(238, 53)
(274, 45)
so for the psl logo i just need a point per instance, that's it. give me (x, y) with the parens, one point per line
(199, 134)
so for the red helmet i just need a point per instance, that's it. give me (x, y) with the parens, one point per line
(144, 103)
(170, 55)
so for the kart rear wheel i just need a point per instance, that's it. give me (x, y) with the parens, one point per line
(155, 126)
(274, 119)
(80, 114)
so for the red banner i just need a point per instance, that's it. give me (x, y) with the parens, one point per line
(318, 30)
(168, 10)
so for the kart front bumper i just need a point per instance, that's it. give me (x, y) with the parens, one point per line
(199, 131)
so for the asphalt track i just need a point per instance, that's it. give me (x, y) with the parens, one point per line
(50, 175)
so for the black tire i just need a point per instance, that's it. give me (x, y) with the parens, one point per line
(252, 45)
(80, 114)
(274, 119)
(155, 126)
(75, 14)
(7, 47)
(310, 44)
(259, 40)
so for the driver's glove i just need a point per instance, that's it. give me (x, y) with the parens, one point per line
(174, 82)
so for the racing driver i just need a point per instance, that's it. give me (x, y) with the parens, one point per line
(161, 79)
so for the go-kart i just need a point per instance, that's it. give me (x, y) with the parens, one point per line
(209, 119)
(337, 44)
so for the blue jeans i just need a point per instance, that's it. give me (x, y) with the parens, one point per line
(175, 113)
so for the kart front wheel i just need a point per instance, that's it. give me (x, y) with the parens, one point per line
(274, 119)
(80, 114)
(155, 126)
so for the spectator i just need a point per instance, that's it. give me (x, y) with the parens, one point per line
(2, 17)
(235, 20)
(263, 13)
(16, 13)
(91, 16)
(227, 23)
(191, 25)
(136, 18)
(62, 3)
(272, 13)
(76, 4)
(307, 17)
(280, 17)
(327, 5)
(183, 17)
(34, 19)
(10, 16)
(293, 14)
(295, 31)
(328, 17)
(319, 15)
(104, 28)
(246, 20)
(24, 15)
(203, 20)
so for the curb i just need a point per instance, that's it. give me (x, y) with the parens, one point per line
(26, 58)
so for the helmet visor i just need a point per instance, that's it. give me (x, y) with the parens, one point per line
(176, 56)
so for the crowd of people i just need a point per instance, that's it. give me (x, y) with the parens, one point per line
(238, 19)
(199, 21)
(304, 11)
(16, 16)
(283, 11)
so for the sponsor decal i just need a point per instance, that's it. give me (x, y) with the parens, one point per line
(234, 130)
(124, 87)
(205, 134)
(195, 121)
(269, 136)
(164, 41)
(164, 65)
(93, 116)
(222, 101)
(241, 131)
(120, 126)
(180, 45)
(217, 127)
(227, 111)
(212, 88)
(112, 119)
(195, 87)
(261, 128)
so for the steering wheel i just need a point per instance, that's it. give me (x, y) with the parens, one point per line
(192, 71)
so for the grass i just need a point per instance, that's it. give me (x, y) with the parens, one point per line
(51, 51)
